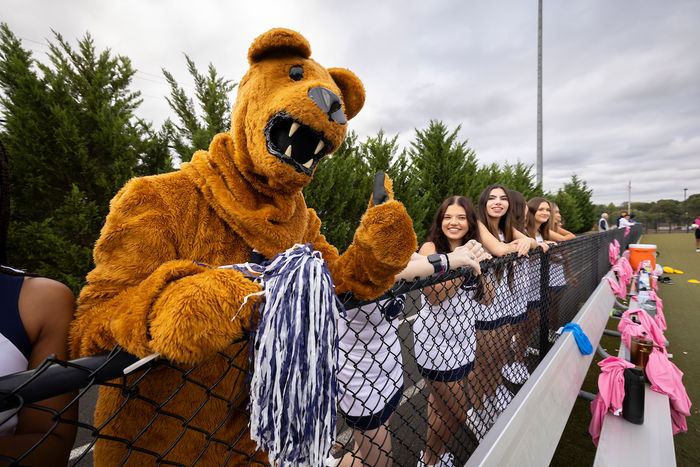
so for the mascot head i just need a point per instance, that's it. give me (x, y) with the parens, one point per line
(290, 111)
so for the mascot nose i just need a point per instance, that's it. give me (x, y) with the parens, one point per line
(329, 102)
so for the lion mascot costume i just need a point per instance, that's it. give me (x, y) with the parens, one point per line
(157, 289)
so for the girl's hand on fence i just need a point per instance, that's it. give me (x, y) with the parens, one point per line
(479, 251)
(522, 246)
(467, 255)
(544, 246)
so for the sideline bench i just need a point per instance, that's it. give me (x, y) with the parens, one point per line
(651, 443)
(528, 431)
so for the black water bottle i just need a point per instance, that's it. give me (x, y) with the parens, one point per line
(633, 403)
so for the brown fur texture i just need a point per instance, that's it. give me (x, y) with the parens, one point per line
(147, 294)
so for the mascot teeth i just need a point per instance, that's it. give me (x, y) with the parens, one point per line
(319, 147)
(294, 143)
(292, 129)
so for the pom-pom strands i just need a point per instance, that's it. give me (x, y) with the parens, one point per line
(293, 389)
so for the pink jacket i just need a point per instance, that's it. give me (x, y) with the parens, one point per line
(630, 329)
(665, 377)
(618, 288)
(614, 251)
(611, 392)
(659, 317)
(623, 268)
(624, 274)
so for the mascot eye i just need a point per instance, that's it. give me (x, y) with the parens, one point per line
(296, 72)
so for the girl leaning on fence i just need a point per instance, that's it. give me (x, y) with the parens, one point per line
(537, 227)
(561, 274)
(444, 328)
(488, 394)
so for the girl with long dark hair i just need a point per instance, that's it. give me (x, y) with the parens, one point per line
(487, 392)
(537, 227)
(445, 344)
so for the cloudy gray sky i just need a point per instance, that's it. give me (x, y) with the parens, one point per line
(621, 80)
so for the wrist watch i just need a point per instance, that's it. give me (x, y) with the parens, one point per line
(436, 261)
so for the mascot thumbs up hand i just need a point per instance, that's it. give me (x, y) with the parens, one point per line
(381, 247)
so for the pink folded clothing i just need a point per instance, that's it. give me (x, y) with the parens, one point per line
(614, 251)
(666, 378)
(659, 317)
(629, 328)
(623, 269)
(618, 288)
(611, 392)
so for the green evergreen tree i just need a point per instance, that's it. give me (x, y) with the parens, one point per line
(192, 132)
(442, 167)
(578, 190)
(569, 212)
(339, 192)
(381, 155)
(519, 177)
(155, 155)
(486, 175)
(73, 141)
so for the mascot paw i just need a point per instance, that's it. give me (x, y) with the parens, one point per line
(194, 321)
(386, 231)
(386, 228)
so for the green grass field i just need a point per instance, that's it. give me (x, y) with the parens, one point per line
(682, 310)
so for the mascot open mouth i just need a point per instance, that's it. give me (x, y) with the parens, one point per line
(294, 143)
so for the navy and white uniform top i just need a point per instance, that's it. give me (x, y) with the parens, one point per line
(534, 276)
(444, 333)
(15, 347)
(370, 369)
(498, 312)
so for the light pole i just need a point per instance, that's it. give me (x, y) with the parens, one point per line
(685, 209)
(539, 94)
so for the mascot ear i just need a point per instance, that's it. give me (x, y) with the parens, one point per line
(278, 40)
(351, 88)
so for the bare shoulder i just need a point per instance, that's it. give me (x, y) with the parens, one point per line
(427, 248)
(45, 303)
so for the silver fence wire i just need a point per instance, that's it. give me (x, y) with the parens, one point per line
(424, 370)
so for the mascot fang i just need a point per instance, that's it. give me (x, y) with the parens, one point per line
(157, 285)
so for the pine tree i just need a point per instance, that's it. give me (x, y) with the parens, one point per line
(381, 155)
(519, 177)
(569, 212)
(339, 192)
(442, 167)
(191, 132)
(580, 195)
(73, 141)
(155, 155)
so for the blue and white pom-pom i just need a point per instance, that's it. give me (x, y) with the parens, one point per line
(294, 387)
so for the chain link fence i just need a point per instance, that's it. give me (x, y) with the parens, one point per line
(424, 370)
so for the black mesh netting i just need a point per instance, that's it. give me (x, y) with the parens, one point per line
(428, 367)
